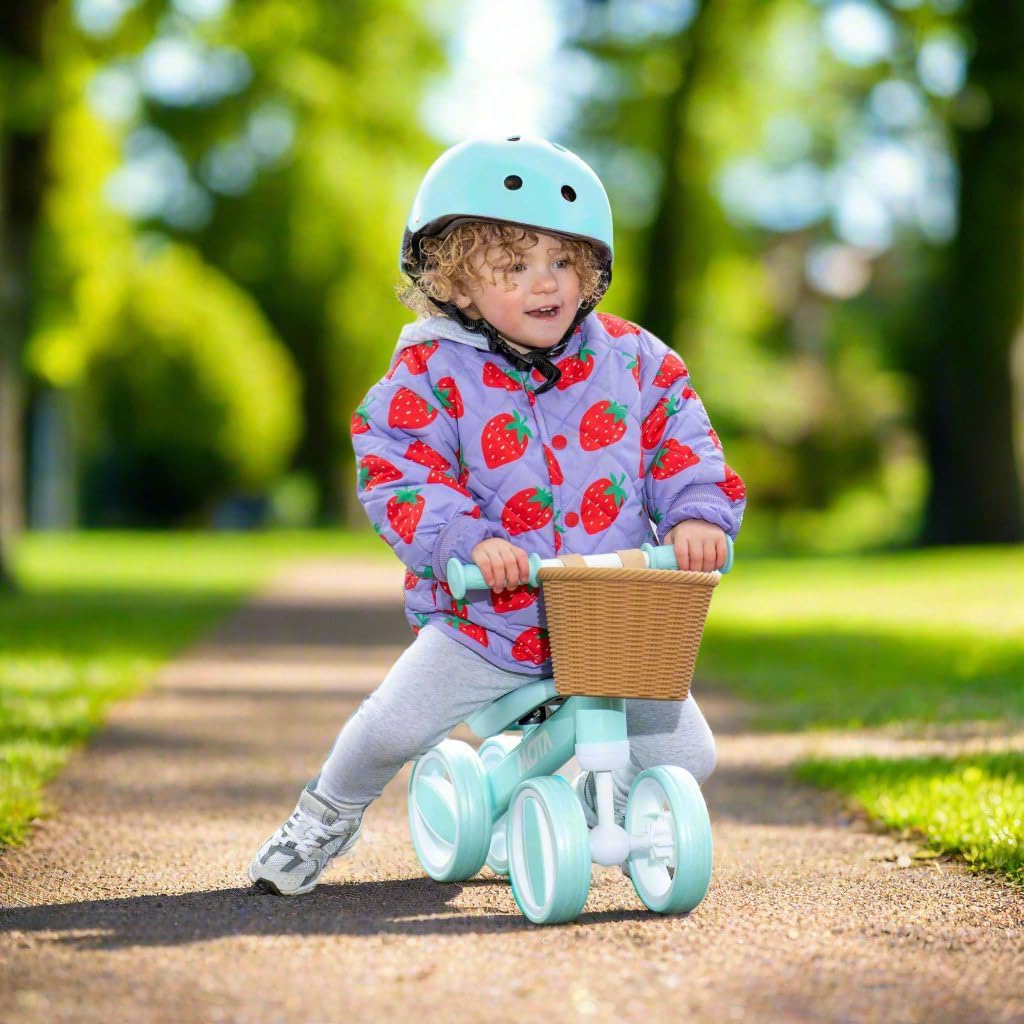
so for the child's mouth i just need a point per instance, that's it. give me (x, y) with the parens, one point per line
(545, 313)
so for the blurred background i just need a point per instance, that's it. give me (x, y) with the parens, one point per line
(818, 202)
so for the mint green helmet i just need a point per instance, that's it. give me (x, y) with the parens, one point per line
(522, 180)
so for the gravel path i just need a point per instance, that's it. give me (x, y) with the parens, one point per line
(131, 903)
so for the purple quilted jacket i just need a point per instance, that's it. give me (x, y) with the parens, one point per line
(454, 447)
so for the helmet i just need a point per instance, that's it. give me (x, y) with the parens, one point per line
(522, 180)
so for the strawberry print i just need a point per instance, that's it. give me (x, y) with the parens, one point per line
(421, 621)
(460, 608)
(616, 326)
(405, 510)
(733, 486)
(601, 503)
(554, 469)
(532, 645)
(463, 468)
(715, 439)
(653, 428)
(633, 365)
(504, 439)
(446, 391)
(512, 600)
(426, 456)
(575, 368)
(477, 633)
(673, 458)
(439, 476)
(559, 530)
(671, 369)
(495, 377)
(603, 424)
(374, 471)
(410, 411)
(528, 509)
(411, 579)
(415, 358)
(360, 420)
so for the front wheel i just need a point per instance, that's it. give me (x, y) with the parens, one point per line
(548, 850)
(666, 817)
(450, 811)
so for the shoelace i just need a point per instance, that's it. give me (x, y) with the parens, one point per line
(314, 835)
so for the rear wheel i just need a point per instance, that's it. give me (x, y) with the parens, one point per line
(492, 752)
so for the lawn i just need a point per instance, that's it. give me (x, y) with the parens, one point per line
(97, 613)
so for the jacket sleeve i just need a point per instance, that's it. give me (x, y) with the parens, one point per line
(407, 464)
(685, 474)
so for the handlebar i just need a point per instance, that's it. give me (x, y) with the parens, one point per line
(463, 576)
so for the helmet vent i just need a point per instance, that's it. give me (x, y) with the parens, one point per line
(569, 193)
(513, 138)
(513, 181)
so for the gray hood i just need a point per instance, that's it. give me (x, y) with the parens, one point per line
(438, 327)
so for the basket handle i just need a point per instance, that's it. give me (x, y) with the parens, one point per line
(464, 576)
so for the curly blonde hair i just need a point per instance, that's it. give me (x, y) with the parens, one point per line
(450, 263)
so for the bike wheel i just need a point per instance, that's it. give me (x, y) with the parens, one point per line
(548, 850)
(491, 752)
(672, 871)
(450, 811)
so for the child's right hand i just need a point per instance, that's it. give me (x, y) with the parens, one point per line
(502, 565)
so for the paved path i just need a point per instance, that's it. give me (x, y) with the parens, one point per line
(131, 903)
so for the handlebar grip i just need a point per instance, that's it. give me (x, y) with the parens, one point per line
(664, 557)
(463, 576)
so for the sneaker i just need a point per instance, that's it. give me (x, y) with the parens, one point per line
(585, 788)
(290, 862)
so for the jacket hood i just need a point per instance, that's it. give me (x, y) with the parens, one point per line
(438, 327)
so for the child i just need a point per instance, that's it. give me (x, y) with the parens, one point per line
(512, 419)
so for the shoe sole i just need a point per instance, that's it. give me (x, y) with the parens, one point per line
(269, 887)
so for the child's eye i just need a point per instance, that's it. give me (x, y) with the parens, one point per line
(562, 263)
(517, 267)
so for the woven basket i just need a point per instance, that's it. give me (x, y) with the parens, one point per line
(625, 632)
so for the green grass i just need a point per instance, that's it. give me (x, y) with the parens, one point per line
(96, 614)
(909, 639)
(972, 806)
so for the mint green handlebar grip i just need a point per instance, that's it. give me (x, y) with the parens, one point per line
(664, 557)
(467, 576)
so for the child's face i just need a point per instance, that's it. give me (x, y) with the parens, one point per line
(542, 277)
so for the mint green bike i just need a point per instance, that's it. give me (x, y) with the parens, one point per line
(503, 806)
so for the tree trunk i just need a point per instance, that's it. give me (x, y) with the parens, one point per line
(22, 148)
(966, 402)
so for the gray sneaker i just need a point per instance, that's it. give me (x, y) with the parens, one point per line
(290, 862)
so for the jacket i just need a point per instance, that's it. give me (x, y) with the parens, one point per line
(453, 447)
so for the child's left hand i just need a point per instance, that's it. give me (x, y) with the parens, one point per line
(699, 546)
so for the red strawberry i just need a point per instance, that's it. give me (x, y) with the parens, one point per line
(574, 368)
(559, 530)
(688, 393)
(512, 600)
(554, 469)
(426, 456)
(478, 633)
(446, 391)
(411, 579)
(504, 439)
(715, 439)
(463, 468)
(671, 369)
(405, 509)
(532, 645)
(632, 363)
(474, 512)
(603, 424)
(654, 425)
(496, 377)
(601, 503)
(460, 608)
(360, 420)
(616, 326)
(421, 621)
(732, 486)
(672, 458)
(409, 410)
(374, 470)
(528, 509)
(439, 476)
(415, 357)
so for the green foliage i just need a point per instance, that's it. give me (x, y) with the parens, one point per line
(192, 396)
(972, 806)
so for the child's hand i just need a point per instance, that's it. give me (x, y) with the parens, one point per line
(699, 546)
(502, 564)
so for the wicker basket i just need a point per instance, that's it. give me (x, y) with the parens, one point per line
(625, 632)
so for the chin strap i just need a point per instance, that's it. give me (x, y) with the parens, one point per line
(525, 362)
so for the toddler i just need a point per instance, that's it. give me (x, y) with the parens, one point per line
(513, 419)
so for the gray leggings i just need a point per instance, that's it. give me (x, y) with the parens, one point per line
(437, 683)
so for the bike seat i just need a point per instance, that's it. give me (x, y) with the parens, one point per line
(505, 712)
